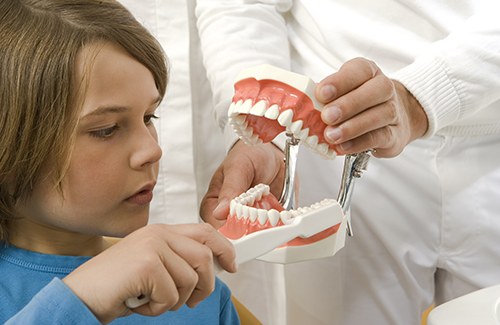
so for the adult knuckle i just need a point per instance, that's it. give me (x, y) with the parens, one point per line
(386, 85)
(392, 111)
(371, 139)
(389, 137)
(370, 68)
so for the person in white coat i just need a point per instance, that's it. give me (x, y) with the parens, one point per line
(419, 81)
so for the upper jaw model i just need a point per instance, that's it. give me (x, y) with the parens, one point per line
(268, 101)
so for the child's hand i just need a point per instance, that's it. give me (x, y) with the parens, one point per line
(171, 264)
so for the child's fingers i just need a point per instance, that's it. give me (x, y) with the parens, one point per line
(200, 260)
(219, 246)
(172, 265)
(168, 286)
(186, 253)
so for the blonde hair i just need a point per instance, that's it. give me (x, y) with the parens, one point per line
(39, 40)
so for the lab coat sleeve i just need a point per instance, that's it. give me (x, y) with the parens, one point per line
(54, 304)
(456, 77)
(237, 35)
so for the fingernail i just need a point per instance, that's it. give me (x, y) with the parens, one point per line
(235, 265)
(346, 145)
(331, 114)
(326, 92)
(333, 134)
(222, 205)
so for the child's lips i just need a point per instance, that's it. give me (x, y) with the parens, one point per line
(141, 198)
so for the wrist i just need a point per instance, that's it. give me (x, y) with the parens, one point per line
(417, 118)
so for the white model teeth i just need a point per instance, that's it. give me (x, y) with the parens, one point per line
(238, 112)
(273, 216)
(286, 216)
(241, 206)
(246, 107)
(285, 118)
(253, 215)
(262, 216)
(240, 119)
(303, 134)
(273, 112)
(322, 148)
(296, 127)
(259, 109)
(312, 141)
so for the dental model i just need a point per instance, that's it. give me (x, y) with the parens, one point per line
(256, 211)
(269, 100)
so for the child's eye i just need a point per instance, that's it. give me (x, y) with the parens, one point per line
(105, 133)
(148, 118)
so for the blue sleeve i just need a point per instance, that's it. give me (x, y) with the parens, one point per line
(54, 304)
(228, 314)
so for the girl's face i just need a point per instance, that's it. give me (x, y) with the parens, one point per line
(114, 164)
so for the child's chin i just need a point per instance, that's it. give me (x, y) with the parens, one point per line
(127, 231)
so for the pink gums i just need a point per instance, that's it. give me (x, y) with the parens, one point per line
(286, 97)
(235, 228)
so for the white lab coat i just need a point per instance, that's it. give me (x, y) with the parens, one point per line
(192, 145)
(426, 224)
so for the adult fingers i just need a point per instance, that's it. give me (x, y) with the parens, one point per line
(351, 75)
(374, 91)
(372, 119)
(243, 168)
(210, 201)
(232, 178)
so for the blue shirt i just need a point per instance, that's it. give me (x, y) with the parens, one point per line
(31, 292)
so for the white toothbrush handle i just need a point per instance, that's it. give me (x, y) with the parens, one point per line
(137, 301)
(261, 242)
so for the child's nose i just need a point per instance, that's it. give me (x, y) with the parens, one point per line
(146, 150)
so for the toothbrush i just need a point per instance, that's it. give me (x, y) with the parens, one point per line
(261, 242)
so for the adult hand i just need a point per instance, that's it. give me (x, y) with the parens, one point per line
(365, 109)
(171, 264)
(243, 168)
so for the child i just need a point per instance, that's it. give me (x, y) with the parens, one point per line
(79, 85)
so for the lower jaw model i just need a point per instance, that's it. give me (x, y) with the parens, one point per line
(257, 210)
